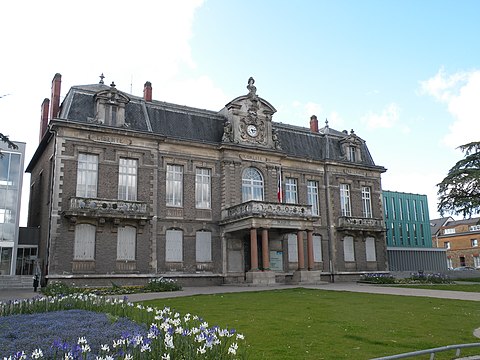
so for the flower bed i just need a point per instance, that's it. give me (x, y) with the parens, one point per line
(170, 335)
(154, 285)
(414, 278)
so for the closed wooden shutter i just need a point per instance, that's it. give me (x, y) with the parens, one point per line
(126, 237)
(370, 249)
(203, 246)
(348, 251)
(292, 248)
(317, 248)
(84, 247)
(174, 245)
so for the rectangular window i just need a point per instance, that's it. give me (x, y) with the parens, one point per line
(203, 188)
(449, 263)
(87, 173)
(474, 227)
(312, 196)
(203, 246)
(317, 248)
(446, 244)
(352, 153)
(174, 186)
(407, 208)
(348, 250)
(345, 200)
(127, 179)
(476, 261)
(400, 209)
(126, 239)
(385, 207)
(422, 212)
(415, 216)
(449, 231)
(370, 249)
(174, 246)
(291, 191)
(474, 242)
(292, 248)
(366, 202)
(84, 243)
(394, 211)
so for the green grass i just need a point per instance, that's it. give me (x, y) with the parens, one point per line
(318, 324)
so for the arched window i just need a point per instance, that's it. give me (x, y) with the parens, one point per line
(252, 185)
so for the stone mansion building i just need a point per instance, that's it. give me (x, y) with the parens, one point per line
(125, 188)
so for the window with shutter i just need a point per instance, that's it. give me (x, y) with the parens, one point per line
(317, 248)
(84, 246)
(126, 239)
(203, 246)
(174, 246)
(348, 251)
(370, 249)
(292, 248)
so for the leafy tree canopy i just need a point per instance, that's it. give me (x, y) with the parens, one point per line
(459, 192)
(5, 139)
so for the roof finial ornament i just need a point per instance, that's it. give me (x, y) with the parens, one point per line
(101, 79)
(352, 132)
(252, 89)
(326, 122)
(112, 84)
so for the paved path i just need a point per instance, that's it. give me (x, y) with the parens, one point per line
(11, 294)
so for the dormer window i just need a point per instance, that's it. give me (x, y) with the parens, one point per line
(110, 107)
(350, 147)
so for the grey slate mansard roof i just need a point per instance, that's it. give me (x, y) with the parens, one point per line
(192, 124)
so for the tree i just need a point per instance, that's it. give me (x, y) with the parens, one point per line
(5, 139)
(459, 192)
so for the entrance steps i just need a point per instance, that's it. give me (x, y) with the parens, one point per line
(16, 282)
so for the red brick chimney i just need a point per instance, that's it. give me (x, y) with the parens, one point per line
(313, 123)
(147, 91)
(44, 117)
(56, 84)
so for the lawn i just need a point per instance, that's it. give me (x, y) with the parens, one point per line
(318, 324)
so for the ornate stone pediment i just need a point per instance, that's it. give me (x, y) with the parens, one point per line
(250, 120)
(110, 107)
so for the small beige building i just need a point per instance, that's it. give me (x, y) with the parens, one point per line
(124, 188)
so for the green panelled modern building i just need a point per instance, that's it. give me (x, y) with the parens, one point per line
(408, 234)
(406, 220)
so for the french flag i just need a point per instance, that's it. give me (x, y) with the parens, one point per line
(279, 185)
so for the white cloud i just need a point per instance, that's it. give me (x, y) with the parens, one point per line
(460, 92)
(130, 44)
(387, 118)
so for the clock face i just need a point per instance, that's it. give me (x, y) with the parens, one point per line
(252, 130)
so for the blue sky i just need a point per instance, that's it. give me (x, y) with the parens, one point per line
(404, 75)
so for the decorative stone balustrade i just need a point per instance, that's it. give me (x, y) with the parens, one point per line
(267, 210)
(107, 208)
(366, 224)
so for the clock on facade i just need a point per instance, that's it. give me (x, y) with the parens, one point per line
(252, 130)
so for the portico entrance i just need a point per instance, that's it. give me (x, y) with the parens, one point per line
(264, 228)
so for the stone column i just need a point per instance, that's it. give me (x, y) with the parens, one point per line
(310, 249)
(253, 250)
(301, 258)
(265, 252)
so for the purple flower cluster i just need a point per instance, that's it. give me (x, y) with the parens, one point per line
(61, 329)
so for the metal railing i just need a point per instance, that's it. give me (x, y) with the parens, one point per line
(431, 352)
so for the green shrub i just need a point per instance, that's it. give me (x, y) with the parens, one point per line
(379, 278)
(58, 288)
(161, 284)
